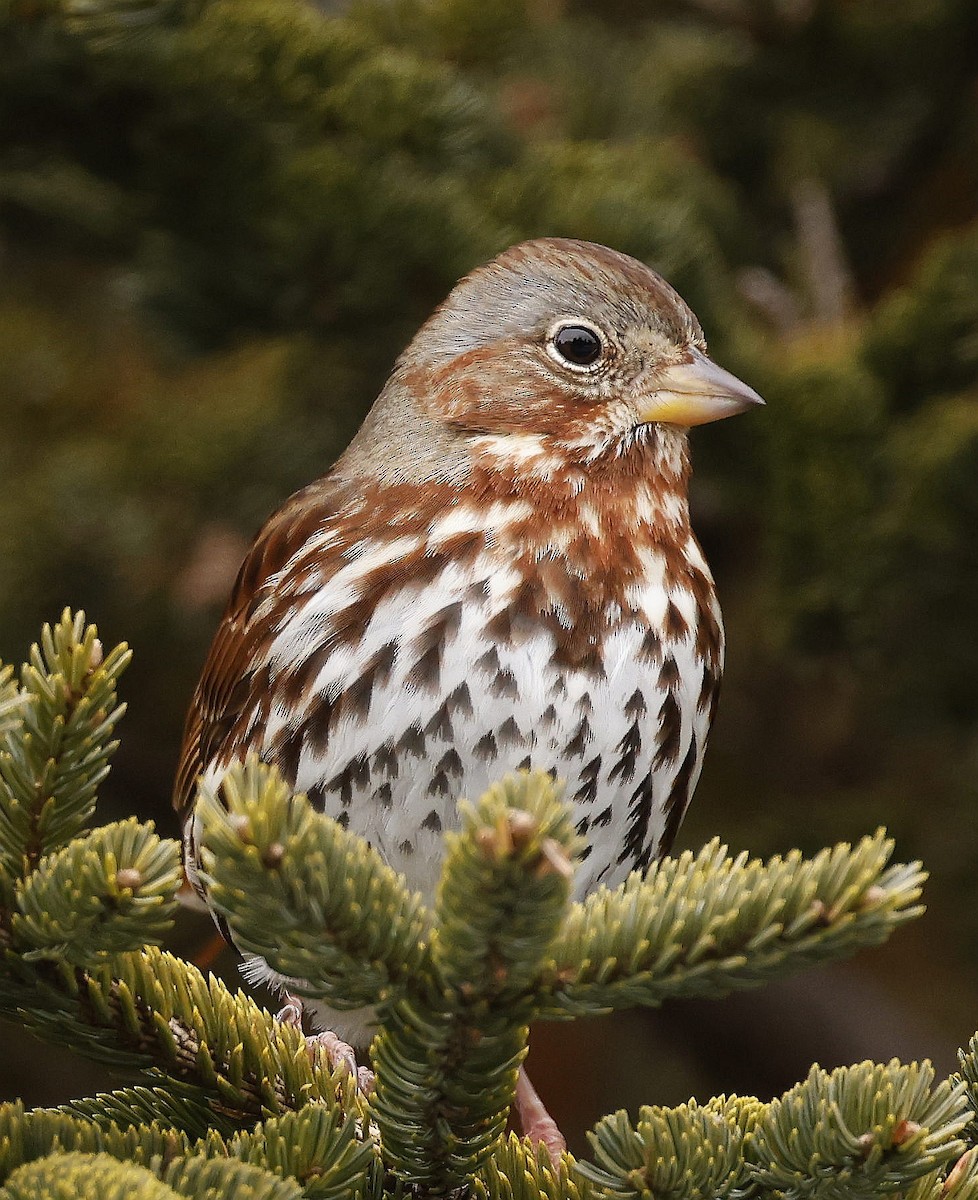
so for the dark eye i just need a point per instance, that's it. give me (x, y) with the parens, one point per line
(577, 345)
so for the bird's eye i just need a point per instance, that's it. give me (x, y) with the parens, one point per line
(577, 345)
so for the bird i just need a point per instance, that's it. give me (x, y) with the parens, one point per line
(498, 574)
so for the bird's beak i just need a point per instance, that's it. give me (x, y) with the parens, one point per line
(696, 391)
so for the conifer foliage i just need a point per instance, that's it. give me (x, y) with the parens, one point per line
(228, 1101)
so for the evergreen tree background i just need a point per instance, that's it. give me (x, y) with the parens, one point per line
(220, 221)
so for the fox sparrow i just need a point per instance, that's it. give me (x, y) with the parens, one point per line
(498, 573)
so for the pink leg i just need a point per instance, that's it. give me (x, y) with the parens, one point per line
(537, 1124)
(337, 1051)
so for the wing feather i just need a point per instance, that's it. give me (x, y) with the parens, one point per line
(233, 676)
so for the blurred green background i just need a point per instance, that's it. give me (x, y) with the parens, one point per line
(219, 223)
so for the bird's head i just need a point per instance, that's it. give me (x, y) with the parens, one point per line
(556, 346)
(555, 334)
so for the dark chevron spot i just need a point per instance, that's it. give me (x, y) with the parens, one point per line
(425, 675)
(708, 692)
(577, 745)
(549, 716)
(432, 821)
(508, 733)
(651, 648)
(460, 701)
(356, 774)
(670, 732)
(292, 683)
(524, 764)
(386, 760)
(635, 847)
(674, 623)
(486, 748)
(381, 664)
(500, 628)
(505, 686)
(450, 619)
(317, 797)
(412, 740)
(475, 593)
(708, 636)
(440, 724)
(669, 673)
(360, 769)
(318, 724)
(382, 795)
(439, 785)
(343, 820)
(700, 585)
(286, 752)
(714, 701)
(444, 625)
(628, 748)
(354, 701)
(603, 818)
(678, 798)
(489, 662)
(585, 706)
(583, 825)
(636, 706)
(406, 848)
(586, 793)
(450, 763)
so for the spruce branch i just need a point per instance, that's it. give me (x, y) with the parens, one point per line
(968, 1058)
(518, 1170)
(960, 1183)
(155, 1013)
(170, 1107)
(26, 1136)
(11, 701)
(202, 1178)
(673, 1153)
(318, 1146)
(75, 1175)
(247, 1063)
(455, 989)
(318, 1152)
(314, 901)
(84, 1177)
(77, 908)
(110, 891)
(53, 759)
(862, 1131)
(502, 947)
(448, 1054)
(705, 924)
(505, 876)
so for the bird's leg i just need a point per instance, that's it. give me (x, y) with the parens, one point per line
(337, 1051)
(537, 1124)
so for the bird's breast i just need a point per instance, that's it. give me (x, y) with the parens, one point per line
(481, 668)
